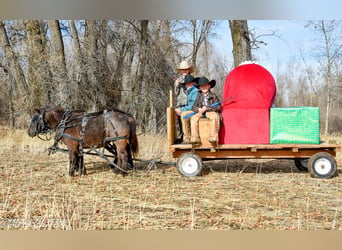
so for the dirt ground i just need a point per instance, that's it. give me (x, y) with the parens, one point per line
(36, 193)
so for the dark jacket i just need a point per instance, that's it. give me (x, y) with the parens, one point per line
(212, 98)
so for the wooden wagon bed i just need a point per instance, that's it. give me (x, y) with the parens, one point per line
(265, 151)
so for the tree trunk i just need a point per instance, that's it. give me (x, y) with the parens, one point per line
(143, 83)
(58, 64)
(15, 70)
(78, 74)
(328, 76)
(91, 34)
(38, 73)
(200, 31)
(206, 58)
(166, 42)
(241, 41)
(109, 92)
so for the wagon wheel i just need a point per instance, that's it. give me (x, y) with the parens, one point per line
(322, 165)
(302, 164)
(189, 164)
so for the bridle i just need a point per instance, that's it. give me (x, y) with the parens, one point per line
(41, 128)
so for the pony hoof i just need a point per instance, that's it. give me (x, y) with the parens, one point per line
(82, 172)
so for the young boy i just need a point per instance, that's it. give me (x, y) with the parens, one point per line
(192, 92)
(184, 69)
(203, 106)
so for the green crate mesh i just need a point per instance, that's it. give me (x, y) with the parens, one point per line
(295, 125)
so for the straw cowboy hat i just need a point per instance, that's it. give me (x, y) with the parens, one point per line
(185, 65)
(203, 80)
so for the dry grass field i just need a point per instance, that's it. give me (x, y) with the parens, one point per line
(36, 192)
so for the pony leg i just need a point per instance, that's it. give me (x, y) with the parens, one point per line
(112, 149)
(130, 163)
(72, 162)
(122, 156)
(81, 168)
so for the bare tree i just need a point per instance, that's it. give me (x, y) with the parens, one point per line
(200, 32)
(78, 75)
(15, 69)
(90, 41)
(17, 87)
(58, 63)
(241, 41)
(330, 53)
(38, 74)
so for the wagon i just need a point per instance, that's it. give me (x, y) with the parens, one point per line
(317, 159)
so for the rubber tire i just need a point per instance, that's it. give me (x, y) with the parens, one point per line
(322, 165)
(302, 164)
(189, 165)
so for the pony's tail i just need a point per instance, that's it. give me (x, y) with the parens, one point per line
(133, 139)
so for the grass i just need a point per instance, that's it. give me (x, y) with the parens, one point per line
(36, 193)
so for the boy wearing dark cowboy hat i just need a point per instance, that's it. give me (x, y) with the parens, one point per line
(191, 92)
(203, 106)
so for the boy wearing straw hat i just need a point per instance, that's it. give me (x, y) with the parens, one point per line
(184, 69)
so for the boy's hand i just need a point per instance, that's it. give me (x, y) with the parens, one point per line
(177, 82)
(202, 110)
(178, 112)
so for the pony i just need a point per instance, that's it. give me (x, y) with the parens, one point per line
(111, 129)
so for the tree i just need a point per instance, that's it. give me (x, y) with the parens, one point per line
(16, 85)
(15, 68)
(58, 64)
(90, 43)
(200, 32)
(330, 52)
(39, 74)
(78, 75)
(241, 41)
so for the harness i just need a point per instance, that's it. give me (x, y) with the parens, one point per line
(69, 121)
(41, 127)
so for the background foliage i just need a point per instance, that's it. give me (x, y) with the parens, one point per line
(130, 64)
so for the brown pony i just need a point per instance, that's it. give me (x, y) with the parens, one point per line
(112, 129)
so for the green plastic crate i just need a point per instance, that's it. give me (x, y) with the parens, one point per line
(295, 125)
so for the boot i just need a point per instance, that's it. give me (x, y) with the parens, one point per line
(214, 126)
(186, 140)
(195, 140)
(212, 139)
(179, 136)
(186, 131)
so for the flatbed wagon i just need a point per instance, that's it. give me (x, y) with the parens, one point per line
(317, 159)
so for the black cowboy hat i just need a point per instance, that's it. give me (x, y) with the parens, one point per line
(203, 80)
(190, 78)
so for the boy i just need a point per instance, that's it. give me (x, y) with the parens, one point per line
(203, 106)
(192, 92)
(183, 69)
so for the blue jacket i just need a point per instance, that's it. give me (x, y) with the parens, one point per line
(192, 95)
